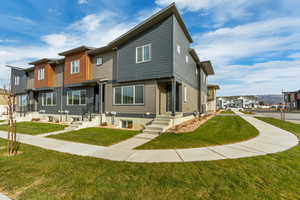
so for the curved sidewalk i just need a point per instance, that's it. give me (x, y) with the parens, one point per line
(270, 140)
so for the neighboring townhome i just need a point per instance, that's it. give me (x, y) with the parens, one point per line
(3, 102)
(147, 72)
(292, 100)
(212, 97)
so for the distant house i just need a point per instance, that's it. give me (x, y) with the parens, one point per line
(3, 102)
(292, 100)
(247, 101)
(212, 97)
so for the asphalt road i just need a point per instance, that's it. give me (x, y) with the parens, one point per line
(293, 117)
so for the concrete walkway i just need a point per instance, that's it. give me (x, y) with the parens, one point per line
(270, 140)
(4, 197)
(135, 141)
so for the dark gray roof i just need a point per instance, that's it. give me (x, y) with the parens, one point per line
(99, 50)
(43, 60)
(76, 50)
(154, 19)
(208, 68)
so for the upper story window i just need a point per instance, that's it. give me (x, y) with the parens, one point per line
(178, 49)
(129, 95)
(76, 97)
(41, 74)
(17, 80)
(75, 65)
(186, 59)
(99, 61)
(49, 99)
(143, 53)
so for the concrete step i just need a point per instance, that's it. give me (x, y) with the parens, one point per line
(151, 132)
(151, 129)
(161, 123)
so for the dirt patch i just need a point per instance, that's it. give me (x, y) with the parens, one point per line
(5, 154)
(191, 125)
(134, 128)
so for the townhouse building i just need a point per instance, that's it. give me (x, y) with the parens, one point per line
(149, 71)
(292, 100)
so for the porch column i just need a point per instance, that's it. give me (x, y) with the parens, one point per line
(100, 98)
(173, 97)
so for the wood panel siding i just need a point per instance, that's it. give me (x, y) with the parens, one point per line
(85, 69)
(49, 80)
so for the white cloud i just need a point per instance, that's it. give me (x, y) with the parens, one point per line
(222, 10)
(294, 55)
(23, 20)
(7, 41)
(83, 1)
(55, 40)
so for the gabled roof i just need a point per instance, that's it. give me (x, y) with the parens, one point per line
(208, 68)
(217, 87)
(154, 19)
(43, 60)
(76, 50)
(99, 50)
(13, 67)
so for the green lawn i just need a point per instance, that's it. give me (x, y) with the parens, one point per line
(42, 174)
(35, 128)
(247, 112)
(96, 136)
(2, 121)
(227, 112)
(216, 131)
(289, 126)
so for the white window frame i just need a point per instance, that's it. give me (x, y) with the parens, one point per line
(44, 99)
(134, 86)
(99, 58)
(178, 47)
(41, 74)
(186, 59)
(143, 53)
(185, 94)
(80, 99)
(17, 80)
(75, 66)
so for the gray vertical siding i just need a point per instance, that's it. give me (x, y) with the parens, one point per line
(30, 80)
(59, 75)
(182, 70)
(104, 71)
(21, 88)
(160, 37)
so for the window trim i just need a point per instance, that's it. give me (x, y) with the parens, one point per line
(178, 48)
(17, 80)
(99, 57)
(186, 59)
(80, 104)
(41, 74)
(73, 61)
(44, 98)
(143, 53)
(134, 95)
(185, 94)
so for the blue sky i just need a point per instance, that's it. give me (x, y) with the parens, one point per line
(253, 45)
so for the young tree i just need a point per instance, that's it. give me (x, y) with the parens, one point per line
(12, 144)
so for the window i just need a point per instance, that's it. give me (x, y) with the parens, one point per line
(76, 97)
(129, 95)
(186, 59)
(143, 53)
(41, 74)
(127, 124)
(75, 64)
(17, 80)
(99, 61)
(185, 94)
(49, 99)
(178, 48)
(22, 100)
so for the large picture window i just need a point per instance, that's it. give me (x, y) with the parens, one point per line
(76, 97)
(49, 99)
(129, 95)
(75, 65)
(143, 53)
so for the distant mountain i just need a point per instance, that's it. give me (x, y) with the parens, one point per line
(270, 98)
